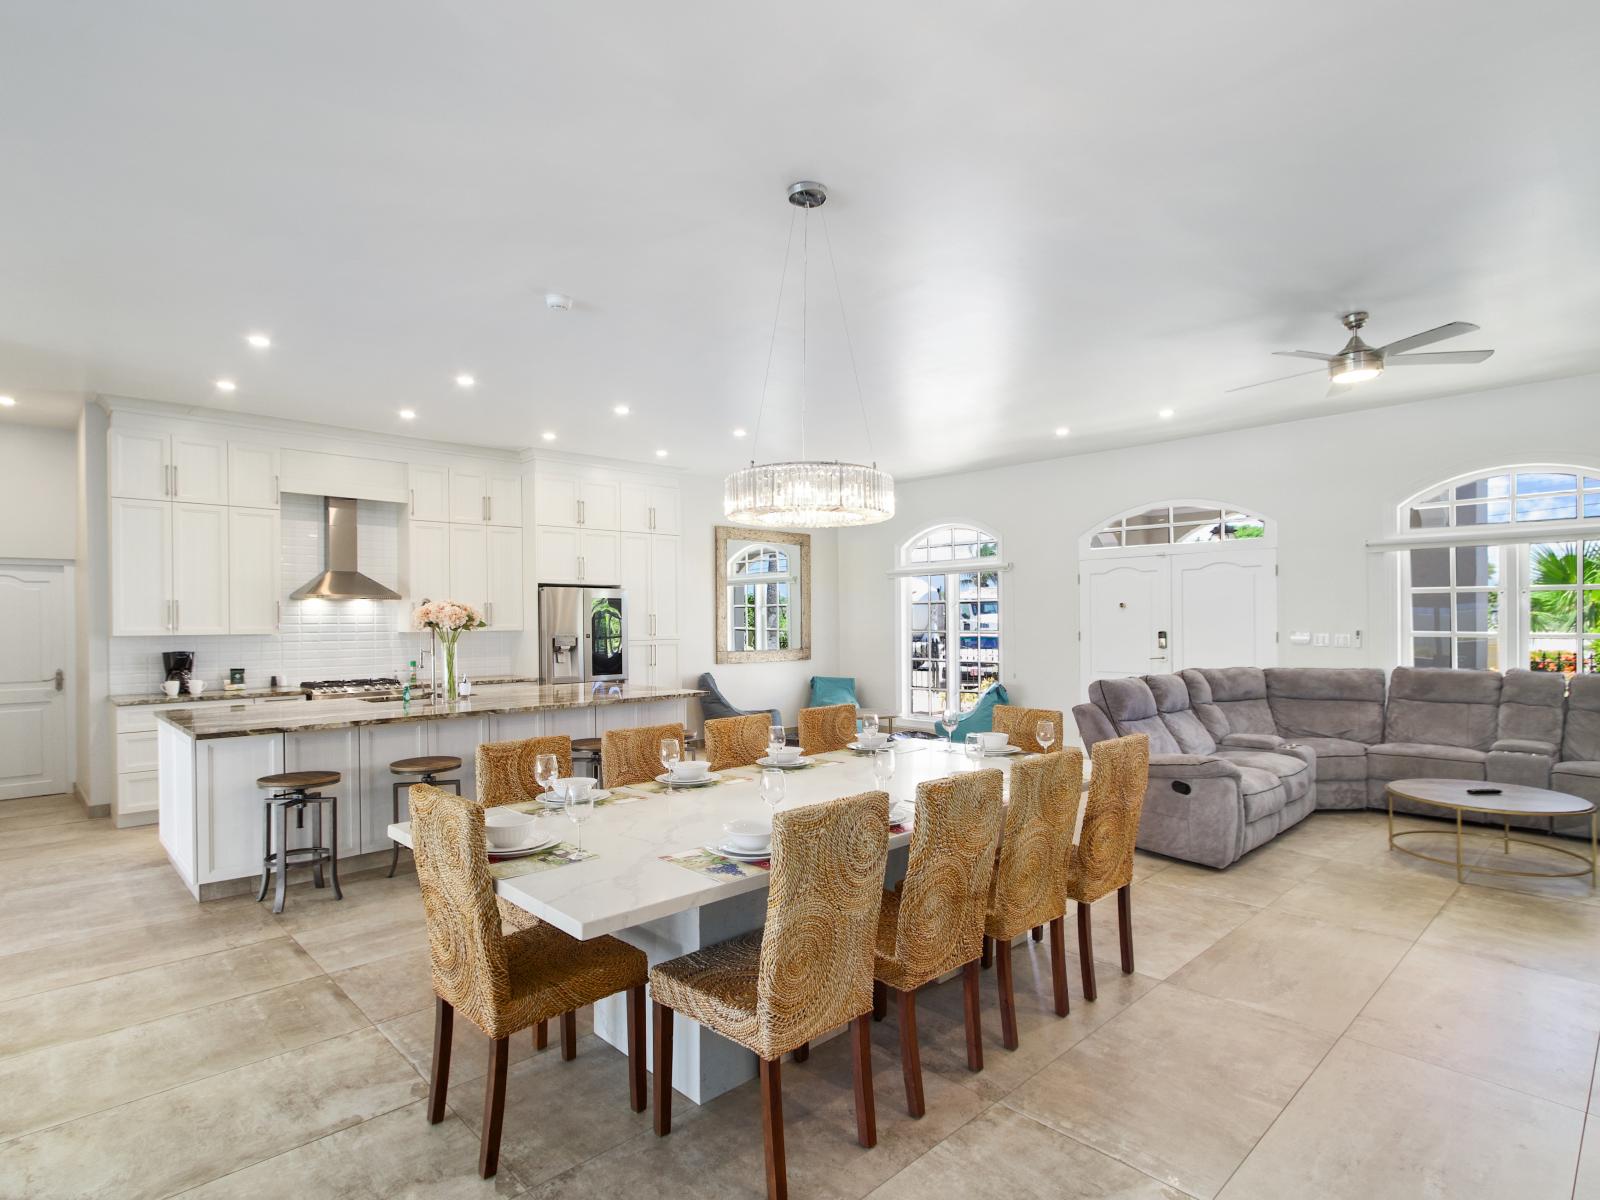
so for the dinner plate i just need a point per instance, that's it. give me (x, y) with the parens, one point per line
(860, 749)
(1008, 748)
(597, 793)
(740, 855)
(793, 764)
(539, 841)
(670, 781)
(901, 814)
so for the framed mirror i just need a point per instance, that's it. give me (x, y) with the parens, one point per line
(763, 595)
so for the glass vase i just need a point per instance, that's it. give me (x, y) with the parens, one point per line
(452, 693)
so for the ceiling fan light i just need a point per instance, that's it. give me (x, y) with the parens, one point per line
(1356, 365)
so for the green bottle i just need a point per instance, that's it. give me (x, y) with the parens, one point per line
(410, 685)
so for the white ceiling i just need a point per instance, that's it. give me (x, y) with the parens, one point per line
(1042, 215)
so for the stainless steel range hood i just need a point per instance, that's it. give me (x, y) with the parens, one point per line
(341, 580)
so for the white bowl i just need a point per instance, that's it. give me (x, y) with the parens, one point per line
(690, 768)
(873, 741)
(993, 741)
(573, 785)
(747, 833)
(785, 754)
(507, 828)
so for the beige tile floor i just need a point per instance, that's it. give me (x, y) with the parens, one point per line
(1324, 1019)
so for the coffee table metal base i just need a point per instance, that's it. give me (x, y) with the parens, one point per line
(1504, 837)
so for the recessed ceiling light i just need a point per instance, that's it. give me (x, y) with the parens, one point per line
(464, 380)
(227, 385)
(621, 410)
(548, 435)
(1062, 431)
(8, 401)
(738, 433)
(661, 453)
(259, 340)
(408, 414)
(1166, 414)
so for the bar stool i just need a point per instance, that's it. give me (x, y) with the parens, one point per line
(426, 769)
(295, 792)
(586, 756)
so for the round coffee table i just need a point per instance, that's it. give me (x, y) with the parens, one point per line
(1507, 800)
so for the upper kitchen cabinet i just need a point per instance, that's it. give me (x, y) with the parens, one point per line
(254, 551)
(152, 464)
(469, 565)
(252, 475)
(429, 492)
(199, 469)
(504, 598)
(576, 500)
(200, 568)
(426, 569)
(141, 567)
(555, 501)
(647, 507)
(505, 499)
(598, 503)
(485, 498)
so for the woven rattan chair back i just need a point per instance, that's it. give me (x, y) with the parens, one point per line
(1030, 880)
(945, 895)
(822, 918)
(1102, 861)
(832, 727)
(505, 769)
(736, 741)
(1021, 725)
(634, 755)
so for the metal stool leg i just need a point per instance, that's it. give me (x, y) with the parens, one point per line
(333, 845)
(394, 858)
(266, 849)
(280, 863)
(316, 845)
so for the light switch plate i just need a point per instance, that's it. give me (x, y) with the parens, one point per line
(1342, 641)
(1299, 637)
(1319, 639)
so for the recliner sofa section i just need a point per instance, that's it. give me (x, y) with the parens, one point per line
(1577, 769)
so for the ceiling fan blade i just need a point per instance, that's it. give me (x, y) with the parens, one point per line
(1438, 359)
(1454, 329)
(1304, 354)
(1279, 379)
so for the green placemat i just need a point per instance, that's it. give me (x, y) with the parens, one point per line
(560, 855)
(714, 866)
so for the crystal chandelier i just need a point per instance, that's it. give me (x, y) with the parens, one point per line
(809, 494)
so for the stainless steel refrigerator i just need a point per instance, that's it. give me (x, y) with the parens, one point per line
(583, 634)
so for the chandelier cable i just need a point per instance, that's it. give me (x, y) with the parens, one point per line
(772, 342)
(805, 314)
(844, 321)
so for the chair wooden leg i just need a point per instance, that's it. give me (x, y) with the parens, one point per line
(802, 1052)
(1008, 995)
(541, 1035)
(910, 1055)
(661, 1021)
(880, 1000)
(987, 960)
(861, 1067)
(636, 1048)
(569, 1036)
(1038, 933)
(772, 1129)
(1086, 951)
(974, 1015)
(1125, 925)
(444, 1018)
(494, 1107)
(1058, 964)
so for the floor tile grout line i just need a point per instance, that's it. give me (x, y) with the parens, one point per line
(1583, 1130)
(1101, 1151)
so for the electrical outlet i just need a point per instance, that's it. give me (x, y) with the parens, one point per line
(1319, 639)
(1342, 641)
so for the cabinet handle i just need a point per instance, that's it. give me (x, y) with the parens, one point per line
(580, 566)
(488, 611)
(277, 619)
(652, 516)
(174, 481)
(277, 496)
(486, 509)
(580, 512)
(413, 502)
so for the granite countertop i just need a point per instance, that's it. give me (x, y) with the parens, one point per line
(270, 693)
(349, 713)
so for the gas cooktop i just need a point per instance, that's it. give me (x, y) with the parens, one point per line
(322, 689)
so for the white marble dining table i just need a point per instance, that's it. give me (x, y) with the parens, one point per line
(628, 890)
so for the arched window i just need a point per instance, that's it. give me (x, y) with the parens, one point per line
(760, 595)
(951, 605)
(1508, 573)
(1178, 524)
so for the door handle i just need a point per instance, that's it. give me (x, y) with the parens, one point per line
(61, 679)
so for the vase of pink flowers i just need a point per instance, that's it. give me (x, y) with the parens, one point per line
(447, 620)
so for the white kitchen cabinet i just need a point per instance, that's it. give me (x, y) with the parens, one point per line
(138, 797)
(663, 586)
(599, 557)
(429, 492)
(633, 506)
(634, 576)
(200, 568)
(468, 497)
(380, 746)
(199, 468)
(598, 503)
(654, 664)
(141, 567)
(556, 551)
(328, 750)
(664, 516)
(254, 550)
(505, 500)
(555, 501)
(252, 475)
(504, 592)
(139, 463)
(469, 565)
(428, 562)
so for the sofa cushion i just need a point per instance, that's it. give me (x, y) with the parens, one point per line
(1581, 739)
(1438, 706)
(1293, 772)
(1419, 760)
(1230, 699)
(1262, 792)
(981, 718)
(1327, 702)
(1533, 708)
(1132, 709)
(1337, 758)
(1579, 769)
(828, 690)
(1172, 703)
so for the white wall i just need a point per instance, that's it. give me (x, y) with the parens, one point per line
(95, 775)
(38, 492)
(1331, 483)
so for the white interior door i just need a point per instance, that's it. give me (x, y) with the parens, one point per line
(1225, 609)
(1125, 607)
(34, 610)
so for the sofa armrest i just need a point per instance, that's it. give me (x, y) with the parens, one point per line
(1253, 741)
(1191, 766)
(1523, 746)
(1093, 725)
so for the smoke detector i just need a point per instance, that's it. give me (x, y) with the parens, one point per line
(557, 302)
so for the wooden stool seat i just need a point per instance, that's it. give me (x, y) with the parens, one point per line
(427, 764)
(590, 744)
(299, 780)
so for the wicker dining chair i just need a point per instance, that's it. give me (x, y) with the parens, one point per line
(737, 741)
(634, 755)
(1102, 861)
(1030, 879)
(503, 982)
(933, 921)
(808, 971)
(832, 727)
(1021, 726)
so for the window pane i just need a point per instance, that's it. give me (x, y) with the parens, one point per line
(1553, 563)
(939, 553)
(1243, 525)
(969, 617)
(968, 586)
(1547, 508)
(1482, 489)
(988, 615)
(919, 616)
(1429, 518)
(989, 585)
(1591, 505)
(1591, 611)
(1431, 652)
(989, 549)
(1477, 612)
(1113, 537)
(1430, 610)
(936, 616)
(1477, 654)
(1151, 516)
(1556, 655)
(939, 537)
(919, 552)
(1539, 482)
(1490, 512)
(1477, 566)
(1183, 515)
(1209, 532)
(1591, 651)
(1430, 568)
(935, 586)
(1156, 535)
(1553, 611)
(1436, 498)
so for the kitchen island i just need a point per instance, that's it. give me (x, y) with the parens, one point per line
(210, 821)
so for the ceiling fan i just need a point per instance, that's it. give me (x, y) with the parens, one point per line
(1360, 363)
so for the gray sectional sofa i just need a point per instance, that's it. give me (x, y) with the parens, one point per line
(1239, 754)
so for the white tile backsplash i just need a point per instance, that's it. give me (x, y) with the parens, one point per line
(318, 639)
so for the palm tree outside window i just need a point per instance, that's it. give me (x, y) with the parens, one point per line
(952, 618)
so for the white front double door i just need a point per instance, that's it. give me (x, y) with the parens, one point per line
(1150, 614)
(34, 610)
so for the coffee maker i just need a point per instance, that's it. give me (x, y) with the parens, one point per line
(179, 665)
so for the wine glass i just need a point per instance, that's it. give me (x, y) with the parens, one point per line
(869, 725)
(1045, 734)
(671, 752)
(948, 721)
(772, 785)
(883, 765)
(975, 748)
(777, 739)
(546, 770)
(579, 809)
